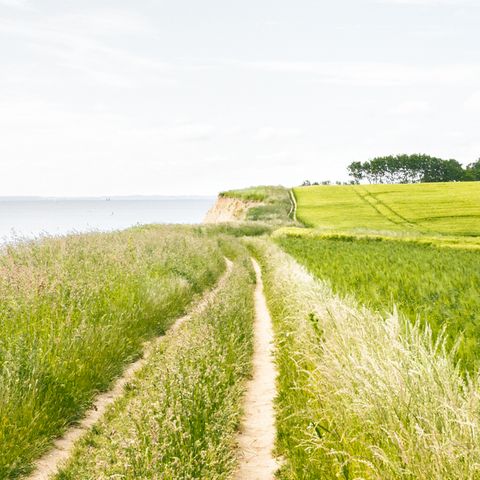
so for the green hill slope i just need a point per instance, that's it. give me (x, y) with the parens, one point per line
(431, 208)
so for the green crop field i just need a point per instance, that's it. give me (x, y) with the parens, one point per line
(364, 378)
(363, 394)
(406, 269)
(435, 285)
(435, 208)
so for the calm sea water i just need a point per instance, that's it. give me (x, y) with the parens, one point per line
(29, 218)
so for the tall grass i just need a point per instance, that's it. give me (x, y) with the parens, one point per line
(362, 395)
(236, 229)
(439, 286)
(178, 418)
(74, 310)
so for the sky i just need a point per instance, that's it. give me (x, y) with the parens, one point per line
(156, 97)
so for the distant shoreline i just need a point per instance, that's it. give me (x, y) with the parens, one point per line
(107, 197)
(32, 216)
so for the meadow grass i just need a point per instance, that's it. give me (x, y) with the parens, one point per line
(429, 208)
(261, 193)
(237, 229)
(363, 395)
(74, 311)
(437, 286)
(275, 205)
(178, 418)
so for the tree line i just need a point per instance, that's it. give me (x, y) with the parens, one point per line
(413, 169)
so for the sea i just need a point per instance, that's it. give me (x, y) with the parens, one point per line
(28, 218)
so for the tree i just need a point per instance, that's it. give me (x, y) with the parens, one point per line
(355, 170)
(437, 170)
(472, 172)
(412, 169)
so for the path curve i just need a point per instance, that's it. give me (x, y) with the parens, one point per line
(50, 463)
(293, 210)
(257, 431)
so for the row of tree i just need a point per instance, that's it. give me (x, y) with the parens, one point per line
(308, 183)
(413, 169)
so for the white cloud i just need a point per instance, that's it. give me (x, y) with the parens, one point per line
(270, 133)
(372, 74)
(473, 102)
(78, 43)
(180, 133)
(411, 107)
(189, 132)
(99, 23)
(278, 159)
(14, 3)
(105, 22)
(428, 2)
(272, 23)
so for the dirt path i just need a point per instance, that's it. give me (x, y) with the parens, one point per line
(49, 464)
(293, 210)
(257, 432)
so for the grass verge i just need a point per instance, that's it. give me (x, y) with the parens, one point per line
(74, 311)
(438, 286)
(443, 241)
(179, 417)
(362, 395)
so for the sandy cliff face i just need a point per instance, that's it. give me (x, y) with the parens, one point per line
(228, 210)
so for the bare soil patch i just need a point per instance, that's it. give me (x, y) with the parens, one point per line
(257, 434)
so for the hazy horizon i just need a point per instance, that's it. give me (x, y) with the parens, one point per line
(31, 217)
(106, 197)
(102, 98)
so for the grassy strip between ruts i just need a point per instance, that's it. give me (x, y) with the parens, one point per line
(361, 395)
(178, 419)
(74, 311)
(438, 286)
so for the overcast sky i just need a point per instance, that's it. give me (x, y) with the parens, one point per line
(195, 96)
